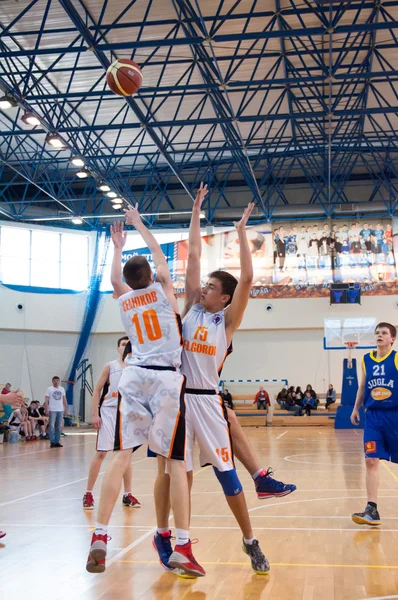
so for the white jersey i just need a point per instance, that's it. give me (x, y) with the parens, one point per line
(205, 348)
(153, 328)
(109, 393)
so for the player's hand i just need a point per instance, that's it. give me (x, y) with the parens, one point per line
(200, 196)
(15, 399)
(118, 234)
(132, 215)
(355, 418)
(241, 225)
(96, 422)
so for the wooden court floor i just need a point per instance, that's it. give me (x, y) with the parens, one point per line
(316, 552)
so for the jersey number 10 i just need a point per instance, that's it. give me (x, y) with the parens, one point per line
(151, 326)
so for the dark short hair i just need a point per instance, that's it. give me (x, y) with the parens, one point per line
(228, 283)
(127, 350)
(120, 340)
(392, 329)
(8, 383)
(56, 377)
(137, 272)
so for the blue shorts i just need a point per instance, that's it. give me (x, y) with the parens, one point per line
(380, 435)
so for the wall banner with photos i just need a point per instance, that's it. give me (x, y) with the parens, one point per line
(301, 260)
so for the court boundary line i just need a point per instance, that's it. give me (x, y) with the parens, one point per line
(58, 487)
(19, 455)
(308, 565)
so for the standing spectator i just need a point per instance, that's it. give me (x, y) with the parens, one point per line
(262, 399)
(308, 403)
(330, 396)
(227, 398)
(6, 389)
(55, 403)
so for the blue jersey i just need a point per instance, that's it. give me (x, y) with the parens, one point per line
(381, 384)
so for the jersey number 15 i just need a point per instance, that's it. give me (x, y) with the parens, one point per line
(151, 324)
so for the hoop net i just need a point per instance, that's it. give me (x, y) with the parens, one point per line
(350, 345)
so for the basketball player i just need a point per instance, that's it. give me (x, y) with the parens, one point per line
(15, 399)
(211, 317)
(378, 394)
(104, 412)
(152, 390)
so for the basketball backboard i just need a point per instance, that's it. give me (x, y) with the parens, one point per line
(340, 331)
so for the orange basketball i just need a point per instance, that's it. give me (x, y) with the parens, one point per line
(124, 77)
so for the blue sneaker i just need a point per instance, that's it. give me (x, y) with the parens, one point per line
(162, 545)
(266, 487)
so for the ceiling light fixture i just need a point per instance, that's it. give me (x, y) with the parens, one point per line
(7, 102)
(116, 200)
(77, 161)
(112, 195)
(104, 187)
(77, 221)
(83, 173)
(30, 119)
(202, 215)
(117, 206)
(55, 141)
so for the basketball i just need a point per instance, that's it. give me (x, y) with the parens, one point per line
(124, 77)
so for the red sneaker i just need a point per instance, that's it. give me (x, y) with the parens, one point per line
(182, 558)
(130, 501)
(2, 534)
(88, 501)
(97, 554)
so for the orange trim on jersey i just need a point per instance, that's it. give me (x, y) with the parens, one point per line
(231, 453)
(223, 361)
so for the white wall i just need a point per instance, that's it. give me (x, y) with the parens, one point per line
(285, 343)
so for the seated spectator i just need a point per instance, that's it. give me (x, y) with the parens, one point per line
(313, 395)
(291, 406)
(37, 419)
(330, 396)
(6, 389)
(46, 419)
(281, 398)
(262, 399)
(227, 398)
(19, 421)
(299, 396)
(308, 403)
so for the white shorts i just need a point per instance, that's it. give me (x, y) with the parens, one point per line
(106, 433)
(152, 408)
(207, 423)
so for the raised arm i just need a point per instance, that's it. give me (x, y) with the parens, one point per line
(355, 417)
(192, 281)
(234, 313)
(119, 237)
(99, 386)
(162, 268)
(13, 398)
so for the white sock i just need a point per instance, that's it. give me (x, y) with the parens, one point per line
(257, 473)
(101, 529)
(162, 530)
(250, 541)
(126, 493)
(182, 537)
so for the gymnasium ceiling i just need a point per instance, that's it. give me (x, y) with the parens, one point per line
(290, 103)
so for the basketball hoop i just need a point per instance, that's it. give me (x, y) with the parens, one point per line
(351, 345)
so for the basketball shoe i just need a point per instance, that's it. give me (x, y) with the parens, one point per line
(88, 501)
(97, 554)
(162, 545)
(182, 558)
(130, 502)
(260, 564)
(370, 516)
(266, 487)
